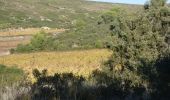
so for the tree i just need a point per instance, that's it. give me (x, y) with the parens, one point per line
(158, 14)
(146, 5)
(158, 3)
(39, 41)
(137, 41)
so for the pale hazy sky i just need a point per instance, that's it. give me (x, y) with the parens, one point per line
(126, 1)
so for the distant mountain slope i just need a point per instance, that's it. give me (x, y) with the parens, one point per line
(52, 13)
(81, 17)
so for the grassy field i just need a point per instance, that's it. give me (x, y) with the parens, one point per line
(9, 75)
(78, 62)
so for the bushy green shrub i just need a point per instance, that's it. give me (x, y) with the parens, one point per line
(40, 41)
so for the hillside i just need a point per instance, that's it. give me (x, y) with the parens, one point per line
(51, 13)
(79, 16)
(84, 50)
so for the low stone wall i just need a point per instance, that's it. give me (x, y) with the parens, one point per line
(15, 38)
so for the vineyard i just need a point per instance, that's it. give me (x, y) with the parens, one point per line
(78, 62)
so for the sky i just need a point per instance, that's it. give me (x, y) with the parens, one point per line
(125, 1)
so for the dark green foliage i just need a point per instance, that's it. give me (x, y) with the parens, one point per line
(137, 42)
(163, 68)
(163, 78)
(67, 86)
(59, 86)
(146, 5)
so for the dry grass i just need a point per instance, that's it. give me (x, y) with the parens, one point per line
(7, 44)
(78, 62)
(27, 31)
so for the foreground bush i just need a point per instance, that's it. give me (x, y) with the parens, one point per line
(12, 83)
(9, 75)
(15, 91)
(66, 86)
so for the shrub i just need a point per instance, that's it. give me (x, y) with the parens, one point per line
(10, 75)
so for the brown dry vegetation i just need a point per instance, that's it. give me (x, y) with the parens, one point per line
(78, 62)
(6, 44)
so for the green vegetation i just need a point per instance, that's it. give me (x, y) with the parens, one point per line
(137, 42)
(9, 75)
(138, 69)
(51, 13)
(79, 16)
(84, 35)
(40, 41)
(66, 41)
